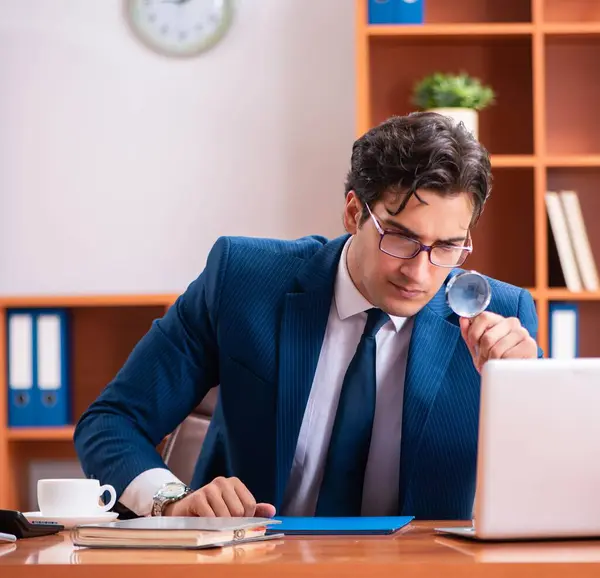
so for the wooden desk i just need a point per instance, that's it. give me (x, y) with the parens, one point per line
(413, 552)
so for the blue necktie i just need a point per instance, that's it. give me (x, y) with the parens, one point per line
(343, 477)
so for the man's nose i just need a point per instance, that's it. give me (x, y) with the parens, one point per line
(418, 268)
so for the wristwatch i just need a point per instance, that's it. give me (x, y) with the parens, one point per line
(167, 494)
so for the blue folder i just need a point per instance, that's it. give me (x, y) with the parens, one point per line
(38, 367)
(322, 525)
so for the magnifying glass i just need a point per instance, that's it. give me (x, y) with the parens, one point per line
(468, 294)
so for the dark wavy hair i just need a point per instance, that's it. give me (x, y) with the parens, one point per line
(422, 150)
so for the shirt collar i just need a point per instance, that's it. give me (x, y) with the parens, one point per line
(348, 299)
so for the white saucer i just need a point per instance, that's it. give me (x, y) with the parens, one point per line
(71, 521)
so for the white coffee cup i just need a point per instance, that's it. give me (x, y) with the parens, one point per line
(73, 497)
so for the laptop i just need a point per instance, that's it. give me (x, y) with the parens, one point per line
(538, 457)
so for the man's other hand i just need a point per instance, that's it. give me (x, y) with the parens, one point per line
(223, 497)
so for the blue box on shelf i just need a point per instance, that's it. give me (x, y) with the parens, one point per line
(396, 11)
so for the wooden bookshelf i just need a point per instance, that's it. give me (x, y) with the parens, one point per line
(103, 331)
(541, 57)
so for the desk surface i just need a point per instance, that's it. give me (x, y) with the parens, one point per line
(414, 551)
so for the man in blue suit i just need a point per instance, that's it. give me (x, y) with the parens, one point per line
(347, 385)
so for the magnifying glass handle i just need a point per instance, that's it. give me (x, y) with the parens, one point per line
(476, 348)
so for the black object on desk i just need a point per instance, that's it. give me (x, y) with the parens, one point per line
(13, 522)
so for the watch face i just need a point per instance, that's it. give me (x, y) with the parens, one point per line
(172, 490)
(179, 27)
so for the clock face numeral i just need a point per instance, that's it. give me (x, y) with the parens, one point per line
(179, 27)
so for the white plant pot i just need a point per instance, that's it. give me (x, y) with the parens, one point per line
(468, 116)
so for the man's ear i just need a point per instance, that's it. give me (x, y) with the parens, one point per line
(352, 213)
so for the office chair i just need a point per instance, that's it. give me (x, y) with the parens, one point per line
(183, 446)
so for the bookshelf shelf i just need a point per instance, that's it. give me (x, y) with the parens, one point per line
(572, 29)
(459, 29)
(575, 161)
(566, 295)
(514, 161)
(41, 434)
(34, 301)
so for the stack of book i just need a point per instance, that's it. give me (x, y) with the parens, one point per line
(571, 239)
(569, 242)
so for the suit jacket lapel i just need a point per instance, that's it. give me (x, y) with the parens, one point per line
(434, 337)
(303, 324)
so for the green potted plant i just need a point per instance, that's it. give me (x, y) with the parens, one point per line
(459, 96)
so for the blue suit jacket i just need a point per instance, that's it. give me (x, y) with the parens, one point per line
(253, 322)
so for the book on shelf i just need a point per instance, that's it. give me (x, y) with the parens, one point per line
(562, 242)
(580, 240)
(569, 244)
(563, 321)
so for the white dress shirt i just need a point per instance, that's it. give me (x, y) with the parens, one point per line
(347, 318)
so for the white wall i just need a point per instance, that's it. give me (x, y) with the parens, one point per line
(119, 168)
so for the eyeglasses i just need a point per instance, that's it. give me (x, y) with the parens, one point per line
(402, 247)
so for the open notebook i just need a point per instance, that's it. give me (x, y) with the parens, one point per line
(173, 532)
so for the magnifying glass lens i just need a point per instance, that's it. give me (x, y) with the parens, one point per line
(468, 294)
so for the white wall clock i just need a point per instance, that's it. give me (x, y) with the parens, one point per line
(179, 27)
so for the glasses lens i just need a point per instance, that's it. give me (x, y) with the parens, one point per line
(446, 256)
(399, 246)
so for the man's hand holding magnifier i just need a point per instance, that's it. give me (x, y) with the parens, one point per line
(487, 335)
(491, 336)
